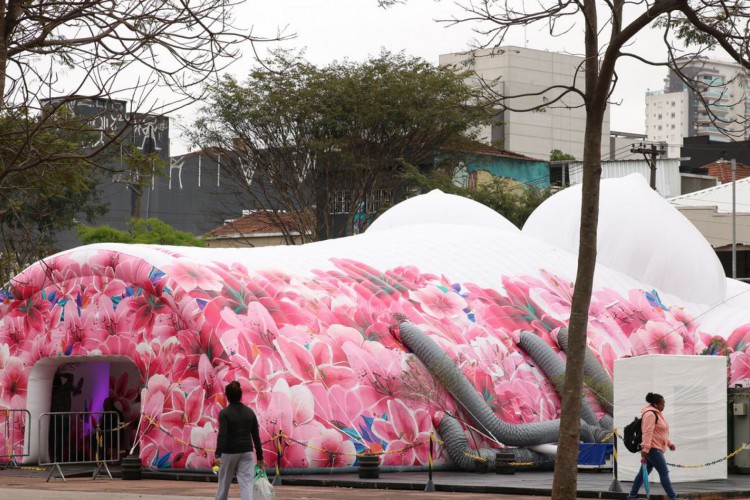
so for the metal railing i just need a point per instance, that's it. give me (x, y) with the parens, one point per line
(79, 437)
(13, 424)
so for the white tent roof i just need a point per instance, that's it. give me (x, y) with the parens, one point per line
(718, 197)
(644, 239)
(441, 208)
(639, 234)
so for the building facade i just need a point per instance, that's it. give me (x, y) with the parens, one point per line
(714, 212)
(697, 152)
(714, 105)
(516, 71)
(191, 193)
(667, 119)
(126, 192)
(256, 228)
(668, 180)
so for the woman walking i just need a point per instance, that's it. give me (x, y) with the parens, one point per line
(655, 440)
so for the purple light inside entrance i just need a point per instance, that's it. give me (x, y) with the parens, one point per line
(100, 385)
(94, 388)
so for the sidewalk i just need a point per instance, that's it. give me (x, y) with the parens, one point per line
(158, 489)
(31, 484)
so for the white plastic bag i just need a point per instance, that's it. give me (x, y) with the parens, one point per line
(262, 488)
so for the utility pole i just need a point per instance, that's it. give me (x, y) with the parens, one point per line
(734, 219)
(650, 152)
(149, 148)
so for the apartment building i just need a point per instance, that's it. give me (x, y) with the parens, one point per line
(714, 105)
(667, 119)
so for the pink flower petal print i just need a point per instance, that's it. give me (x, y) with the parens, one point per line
(190, 275)
(336, 406)
(440, 303)
(739, 339)
(739, 368)
(16, 338)
(186, 408)
(656, 338)
(406, 432)
(13, 380)
(330, 450)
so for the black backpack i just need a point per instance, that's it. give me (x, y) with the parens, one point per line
(632, 434)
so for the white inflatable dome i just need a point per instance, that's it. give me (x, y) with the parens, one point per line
(640, 234)
(437, 207)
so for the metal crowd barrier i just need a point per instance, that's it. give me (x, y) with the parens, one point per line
(78, 438)
(13, 424)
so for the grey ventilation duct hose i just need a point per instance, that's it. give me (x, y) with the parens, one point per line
(462, 455)
(598, 379)
(445, 370)
(554, 368)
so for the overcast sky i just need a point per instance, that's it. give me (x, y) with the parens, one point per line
(355, 29)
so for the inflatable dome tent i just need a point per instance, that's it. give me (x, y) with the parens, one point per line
(425, 323)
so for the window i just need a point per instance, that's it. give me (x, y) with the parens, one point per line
(377, 199)
(659, 117)
(341, 203)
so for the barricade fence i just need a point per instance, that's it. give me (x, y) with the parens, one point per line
(93, 437)
(79, 438)
(13, 445)
(281, 440)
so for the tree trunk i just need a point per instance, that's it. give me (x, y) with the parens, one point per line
(3, 62)
(565, 481)
(321, 197)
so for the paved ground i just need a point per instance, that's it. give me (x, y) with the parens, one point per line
(154, 489)
(30, 484)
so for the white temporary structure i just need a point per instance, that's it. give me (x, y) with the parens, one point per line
(694, 388)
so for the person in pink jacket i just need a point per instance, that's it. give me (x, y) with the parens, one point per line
(655, 441)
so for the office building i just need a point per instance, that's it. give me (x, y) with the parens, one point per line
(515, 71)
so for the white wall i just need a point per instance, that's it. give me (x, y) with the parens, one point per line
(668, 181)
(695, 389)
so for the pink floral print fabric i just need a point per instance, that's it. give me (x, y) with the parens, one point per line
(313, 354)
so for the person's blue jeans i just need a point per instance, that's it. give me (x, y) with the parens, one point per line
(654, 460)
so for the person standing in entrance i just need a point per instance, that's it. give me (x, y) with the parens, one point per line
(654, 442)
(63, 391)
(238, 437)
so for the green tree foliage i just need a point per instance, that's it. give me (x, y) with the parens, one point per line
(309, 137)
(557, 155)
(148, 231)
(513, 200)
(38, 199)
(52, 54)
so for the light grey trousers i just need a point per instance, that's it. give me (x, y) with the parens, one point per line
(242, 464)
